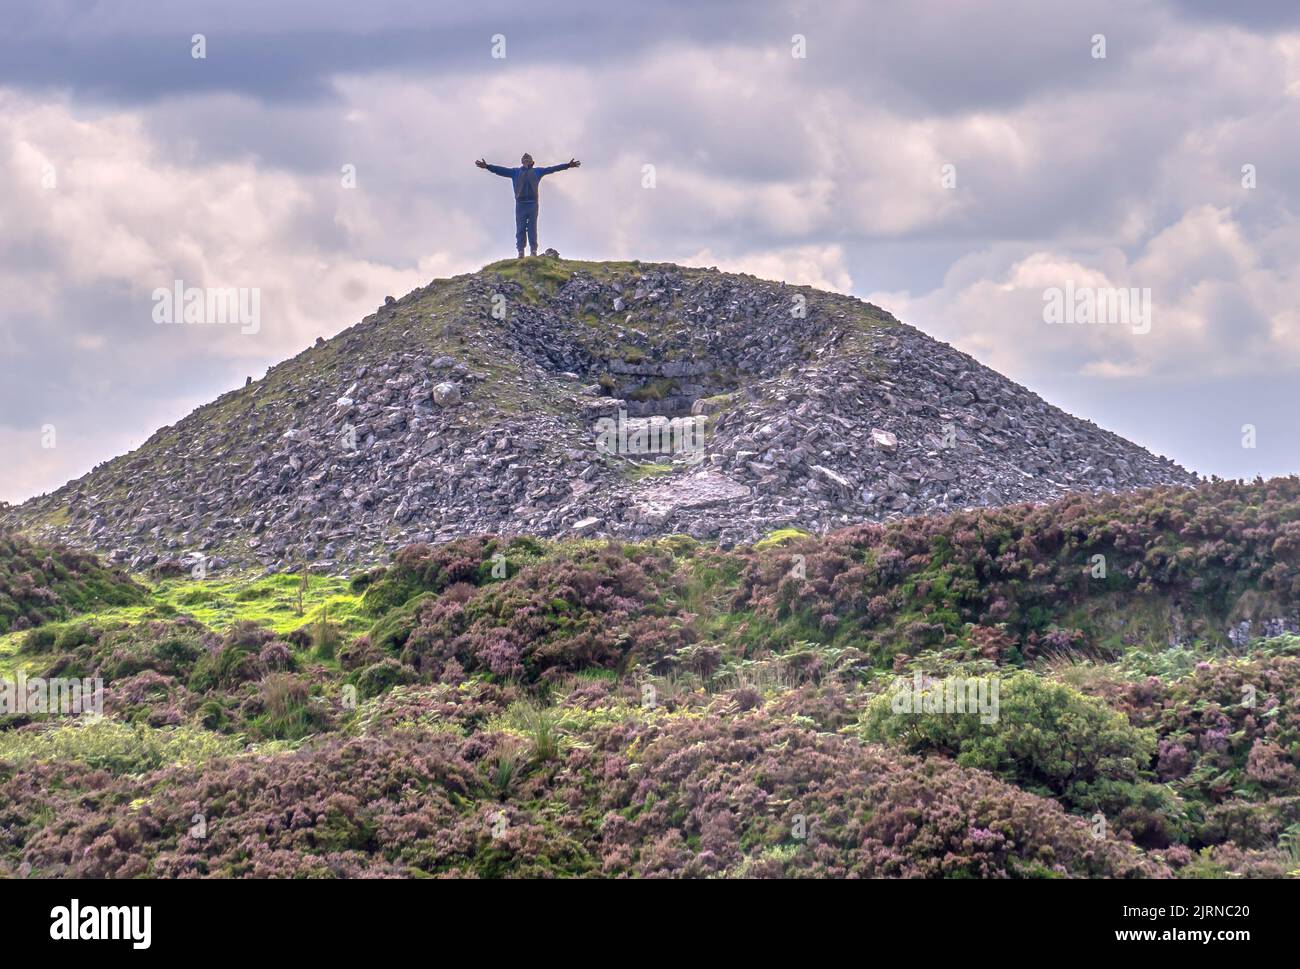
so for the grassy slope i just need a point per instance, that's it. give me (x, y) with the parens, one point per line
(270, 602)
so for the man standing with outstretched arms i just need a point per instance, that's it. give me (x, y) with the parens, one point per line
(526, 180)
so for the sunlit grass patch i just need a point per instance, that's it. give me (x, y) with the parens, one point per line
(10, 661)
(219, 603)
(117, 747)
(779, 537)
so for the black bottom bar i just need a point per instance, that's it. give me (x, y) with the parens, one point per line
(302, 919)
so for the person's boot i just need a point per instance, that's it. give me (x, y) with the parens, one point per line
(533, 251)
(521, 254)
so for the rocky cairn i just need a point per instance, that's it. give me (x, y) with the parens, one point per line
(552, 398)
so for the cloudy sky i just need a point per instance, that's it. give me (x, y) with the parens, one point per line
(950, 160)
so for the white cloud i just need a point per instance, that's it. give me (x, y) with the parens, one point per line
(818, 266)
(1219, 308)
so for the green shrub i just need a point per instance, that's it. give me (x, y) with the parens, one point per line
(72, 636)
(178, 651)
(1048, 738)
(213, 715)
(39, 640)
(381, 676)
(391, 632)
(234, 664)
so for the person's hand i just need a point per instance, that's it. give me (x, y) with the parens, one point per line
(574, 163)
(481, 163)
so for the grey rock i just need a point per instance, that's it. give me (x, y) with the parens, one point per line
(446, 394)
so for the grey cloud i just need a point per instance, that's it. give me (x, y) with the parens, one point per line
(1255, 15)
(138, 52)
(706, 92)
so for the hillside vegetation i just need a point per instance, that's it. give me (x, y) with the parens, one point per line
(520, 707)
(40, 583)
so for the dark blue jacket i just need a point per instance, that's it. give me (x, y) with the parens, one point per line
(526, 179)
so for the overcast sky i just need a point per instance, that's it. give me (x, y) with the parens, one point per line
(127, 163)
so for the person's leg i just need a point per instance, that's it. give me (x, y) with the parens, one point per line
(532, 229)
(521, 226)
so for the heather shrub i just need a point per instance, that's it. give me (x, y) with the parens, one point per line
(116, 651)
(601, 607)
(673, 797)
(1258, 823)
(338, 809)
(177, 652)
(231, 664)
(669, 709)
(277, 656)
(1227, 551)
(1230, 861)
(165, 673)
(829, 707)
(148, 697)
(705, 796)
(420, 569)
(1228, 738)
(41, 584)
(359, 654)
(465, 708)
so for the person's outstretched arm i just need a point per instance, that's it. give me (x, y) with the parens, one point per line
(571, 163)
(495, 169)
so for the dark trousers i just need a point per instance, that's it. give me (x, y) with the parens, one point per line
(525, 223)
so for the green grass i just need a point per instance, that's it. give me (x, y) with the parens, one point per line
(533, 274)
(219, 603)
(547, 270)
(270, 601)
(120, 748)
(10, 663)
(654, 390)
(780, 537)
(639, 472)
